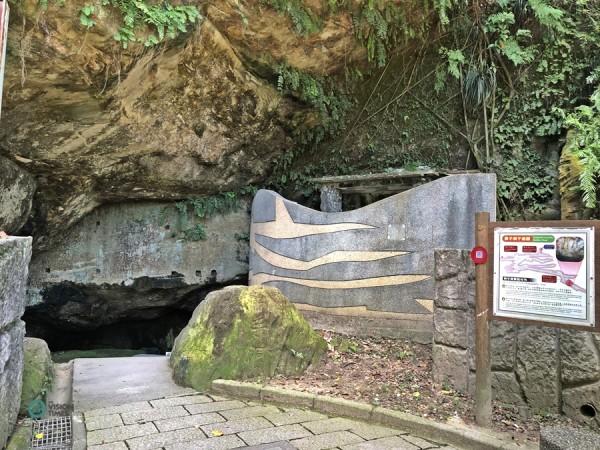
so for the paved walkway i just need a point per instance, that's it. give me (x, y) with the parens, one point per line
(132, 403)
(192, 422)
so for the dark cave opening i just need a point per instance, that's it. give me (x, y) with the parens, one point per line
(146, 316)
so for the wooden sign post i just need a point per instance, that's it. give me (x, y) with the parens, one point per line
(483, 376)
(537, 273)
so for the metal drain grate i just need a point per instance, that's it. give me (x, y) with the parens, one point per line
(53, 433)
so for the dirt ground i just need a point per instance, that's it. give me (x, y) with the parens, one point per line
(398, 374)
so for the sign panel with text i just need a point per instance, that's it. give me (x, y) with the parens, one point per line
(545, 274)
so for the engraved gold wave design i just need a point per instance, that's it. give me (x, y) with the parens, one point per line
(283, 262)
(283, 227)
(392, 280)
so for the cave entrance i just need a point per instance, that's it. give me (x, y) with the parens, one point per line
(75, 321)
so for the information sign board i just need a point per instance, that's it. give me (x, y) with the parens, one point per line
(544, 274)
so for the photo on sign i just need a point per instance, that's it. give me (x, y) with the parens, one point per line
(544, 274)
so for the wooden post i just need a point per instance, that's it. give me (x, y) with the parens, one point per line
(483, 378)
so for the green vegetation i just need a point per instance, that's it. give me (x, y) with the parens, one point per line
(585, 120)
(193, 212)
(163, 19)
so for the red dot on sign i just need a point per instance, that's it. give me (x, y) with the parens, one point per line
(479, 255)
(569, 283)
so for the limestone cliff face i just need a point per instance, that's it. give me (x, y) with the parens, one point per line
(95, 123)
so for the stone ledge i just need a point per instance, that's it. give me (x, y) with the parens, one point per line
(231, 388)
(461, 436)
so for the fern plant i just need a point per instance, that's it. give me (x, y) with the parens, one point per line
(164, 19)
(586, 122)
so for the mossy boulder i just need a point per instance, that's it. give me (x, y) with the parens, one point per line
(244, 332)
(37, 371)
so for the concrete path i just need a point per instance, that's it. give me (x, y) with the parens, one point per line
(132, 403)
(102, 382)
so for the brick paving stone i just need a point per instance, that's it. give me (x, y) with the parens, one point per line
(100, 422)
(217, 398)
(127, 407)
(112, 446)
(237, 426)
(218, 443)
(214, 406)
(389, 443)
(327, 440)
(368, 432)
(269, 435)
(291, 416)
(162, 439)
(120, 433)
(283, 445)
(421, 443)
(154, 414)
(249, 411)
(329, 425)
(188, 421)
(182, 400)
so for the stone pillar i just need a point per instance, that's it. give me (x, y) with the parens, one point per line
(15, 254)
(331, 199)
(453, 320)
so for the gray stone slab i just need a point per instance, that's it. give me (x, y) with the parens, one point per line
(112, 446)
(249, 411)
(292, 416)
(154, 414)
(105, 421)
(368, 431)
(389, 443)
(124, 408)
(269, 435)
(15, 254)
(11, 374)
(103, 382)
(327, 440)
(283, 445)
(120, 433)
(329, 425)
(565, 438)
(215, 406)
(188, 421)
(236, 426)
(162, 439)
(421, 443)
(217, 443)
(181, 400)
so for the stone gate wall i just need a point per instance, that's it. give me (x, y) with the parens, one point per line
(15, 254)
(370, 270)
(538, 369)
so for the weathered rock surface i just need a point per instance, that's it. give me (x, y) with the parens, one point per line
(583, 403)
(132, 262)
(537, 367)
(37, 371)
(14, 258)
(96, 123)
(16, 194)
(580, 358)
(243, 332)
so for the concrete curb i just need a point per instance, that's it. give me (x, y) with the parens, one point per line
(463, 437)
(78, 432)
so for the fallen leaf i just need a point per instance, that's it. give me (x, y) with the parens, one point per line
(216, 433)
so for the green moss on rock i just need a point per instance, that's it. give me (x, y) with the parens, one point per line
(37, 371)
(21, 437)
(244, 332)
